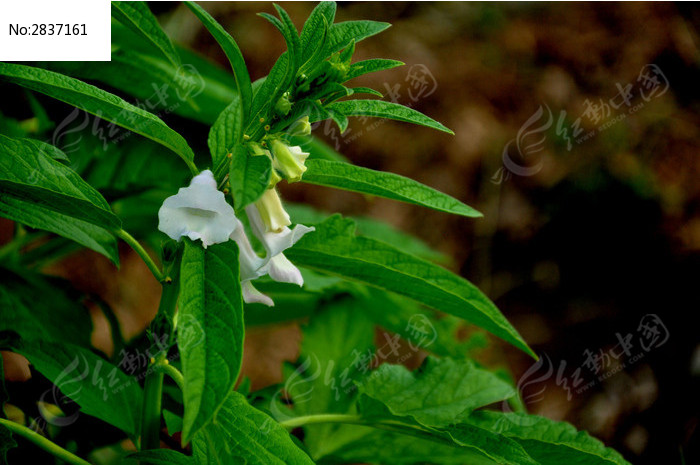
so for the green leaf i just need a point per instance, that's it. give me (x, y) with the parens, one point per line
(366, 90)
(323, 383)
(36, 216)
(370, 66)
(243, 434)
(99, 387)
(36, 308)
(388, 185)
(383, 109)
(40, 192)
(441, 392)
(98, 102)
(233, 53)
(547, 441)
(335, 248)
(31, 175)
(138, 18)
(210, 331)
(312, 34)
(341, 34)
(46, 148)
(162, 457)
(290, 34)
(274, 85)
(362, 444)
(226, 132)
(249, 176)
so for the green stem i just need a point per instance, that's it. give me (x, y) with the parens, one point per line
(49, 446)
(171, 371)
(193, 168)
(322, 418)
(134, 244)
(153, 386)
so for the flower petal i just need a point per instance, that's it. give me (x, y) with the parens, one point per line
(282, 270)
(275, 242)
(251, 263)
(199, 211)
(252, 295)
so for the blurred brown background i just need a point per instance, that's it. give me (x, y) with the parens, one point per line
(596, 235)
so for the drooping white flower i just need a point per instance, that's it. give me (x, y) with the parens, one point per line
(199, 212)
(274, 216)
(275, 243)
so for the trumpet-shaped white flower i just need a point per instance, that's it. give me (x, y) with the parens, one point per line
(275, 263)
(199, 212)
(289, 160)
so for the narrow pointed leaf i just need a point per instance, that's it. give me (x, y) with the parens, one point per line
(210, 330)
(383, 109)
(388, 185)
(341, 34)
(313, 31)
(138, 17)
(233, 53)
(335, 248)
(97, 102)
(370, 66)
(226, 132)
(249, 176)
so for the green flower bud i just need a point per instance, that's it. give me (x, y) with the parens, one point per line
(272, 212)
(283, 105)
(300, 127)
(289, 160)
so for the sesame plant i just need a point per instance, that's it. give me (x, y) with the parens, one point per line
(230, 254)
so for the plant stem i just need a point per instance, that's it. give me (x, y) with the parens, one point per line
(49, 446)
(171, 371)
(193, 168)
(134, 244)
(322, 418)
(153, 386)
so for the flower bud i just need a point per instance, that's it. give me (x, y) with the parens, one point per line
(272, 212)
(300, 127)
(289, 160)
(283, 105)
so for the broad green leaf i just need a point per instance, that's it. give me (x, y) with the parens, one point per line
(99, 387)
(138, 18)
(210, 330)
(464, 437)
(312, 34)
(160, 457)
(29, 174)
(42, 193)
(98, 102)
(242, 434)
(334, 248)
(249, 176)
(323, 383)
(547, 441)
(389, 185)
(226, 132)
(233, 53)
(341, 34)
(438, 394)
(362, 444)
(36, 308)
(46, 148)
(383, 109)
(370, 66)
(36, 216)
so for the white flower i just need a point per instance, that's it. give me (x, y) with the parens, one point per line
(271, 211)
(275, 263)
(199, 211)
